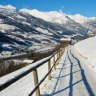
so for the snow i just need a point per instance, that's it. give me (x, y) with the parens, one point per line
(73, 35)
(88, 70)
(52, 16)
(81, 19)
(65, 39)
(68, 78)
(26, 84)
(5, 45)
(6, 27)
(21, 17)
(8, 7)
(7, 53)
(57, 16)
(28, 61)
(46, 49)
(43, 31)
(26, 23)
(73, 77)
(78, 18)
(87, 49)
(50, 85)
(1, 20)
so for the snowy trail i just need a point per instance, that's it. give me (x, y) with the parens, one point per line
(72, 77)
(72, 80)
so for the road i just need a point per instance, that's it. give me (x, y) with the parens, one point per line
(73, 78)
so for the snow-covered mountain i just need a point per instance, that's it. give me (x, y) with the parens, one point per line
(76, 22)
(78, 18)
(70, 22)
(52, 16)
(89, 23)
(22, 29)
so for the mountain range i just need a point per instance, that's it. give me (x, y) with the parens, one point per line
(24, 28)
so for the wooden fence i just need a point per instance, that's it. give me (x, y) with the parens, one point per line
(33, 69)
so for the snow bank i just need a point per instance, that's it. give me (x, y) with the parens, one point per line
(28, 61)
(87, 49)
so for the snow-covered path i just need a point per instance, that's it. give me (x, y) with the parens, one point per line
(73, 78)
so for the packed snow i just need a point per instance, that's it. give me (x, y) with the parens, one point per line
(72, 77)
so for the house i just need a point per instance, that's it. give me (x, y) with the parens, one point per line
(64, 42)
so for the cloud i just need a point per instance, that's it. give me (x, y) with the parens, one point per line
(62, 9)
(8, 7)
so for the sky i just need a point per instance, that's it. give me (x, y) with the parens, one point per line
(84, 7)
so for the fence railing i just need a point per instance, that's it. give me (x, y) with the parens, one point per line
(18, 56)
(28, 54)
(33, 68)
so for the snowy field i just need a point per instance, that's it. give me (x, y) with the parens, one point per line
(87, 49)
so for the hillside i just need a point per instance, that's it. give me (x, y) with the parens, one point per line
(87, 49)
(77, 23)
(21, 30)
(59, 18)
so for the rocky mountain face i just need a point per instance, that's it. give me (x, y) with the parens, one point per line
(76, 23)
(59, 18)
(89, 23)
(20, 30)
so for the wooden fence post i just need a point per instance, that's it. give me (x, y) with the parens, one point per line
(49, 67)
(59, 54)
(35, 74)
(54, 63)
(54, 58)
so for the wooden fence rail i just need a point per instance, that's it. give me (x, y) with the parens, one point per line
(33, 67)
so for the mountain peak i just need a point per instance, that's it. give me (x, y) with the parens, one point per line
(10, 7)
(51, 16)
(78, 18)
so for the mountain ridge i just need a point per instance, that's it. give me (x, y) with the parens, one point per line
(23, 30)
(62, 18)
